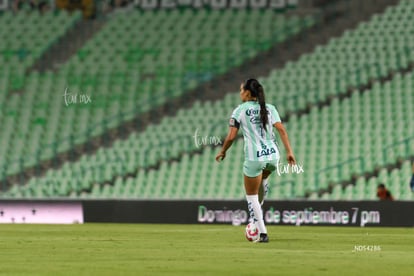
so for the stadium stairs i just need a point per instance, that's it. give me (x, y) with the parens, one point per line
(68, 45)
(333, 20)
(64, 48)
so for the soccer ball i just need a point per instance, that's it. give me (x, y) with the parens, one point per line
(252, 232)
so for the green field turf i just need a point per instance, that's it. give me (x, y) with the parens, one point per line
(139, 249)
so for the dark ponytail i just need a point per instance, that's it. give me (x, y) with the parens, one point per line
(263, 111)
(256, 90)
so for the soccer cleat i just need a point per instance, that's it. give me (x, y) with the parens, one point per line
(263, 238)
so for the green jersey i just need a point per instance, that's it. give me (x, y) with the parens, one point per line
(259, 143)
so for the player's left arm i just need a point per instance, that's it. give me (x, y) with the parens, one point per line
(231, 135)
(277, 123)
(285, 140)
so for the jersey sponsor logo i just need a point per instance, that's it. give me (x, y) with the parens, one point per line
(251, 111)
(255, 120)
(265, 152)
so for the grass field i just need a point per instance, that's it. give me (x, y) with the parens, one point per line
(139, 249)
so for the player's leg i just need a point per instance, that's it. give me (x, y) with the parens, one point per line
(267, 170)
(412, 180)
(252, 182)
(264, 188)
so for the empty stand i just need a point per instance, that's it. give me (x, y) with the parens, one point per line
(136, 62)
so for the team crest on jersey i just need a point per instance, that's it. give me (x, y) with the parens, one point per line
(233, 123)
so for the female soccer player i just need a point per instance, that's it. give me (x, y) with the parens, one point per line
(256, 119)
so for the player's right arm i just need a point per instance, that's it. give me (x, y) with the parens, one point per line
(234, 125)
(285, 140)
(231, 135)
